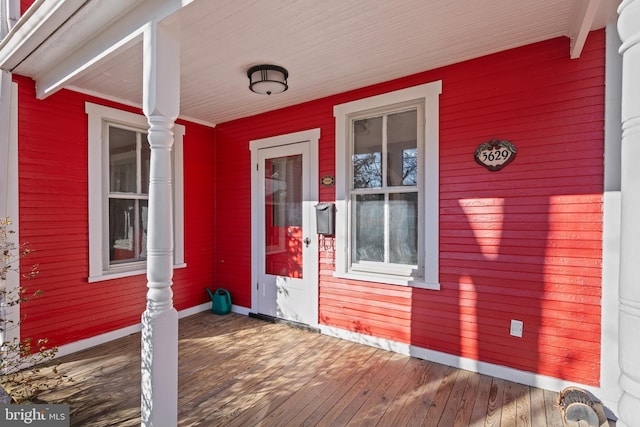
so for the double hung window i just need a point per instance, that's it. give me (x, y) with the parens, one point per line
(384, 192)
(119, 167)
(387, 187)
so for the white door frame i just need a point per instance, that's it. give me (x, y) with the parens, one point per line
(311, 136)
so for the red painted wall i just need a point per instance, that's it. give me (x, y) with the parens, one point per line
(524, 243)
(24, 5)
(53, 220)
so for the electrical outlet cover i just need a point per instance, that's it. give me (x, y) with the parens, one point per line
(516, 328)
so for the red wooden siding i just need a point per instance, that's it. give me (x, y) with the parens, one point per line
(24, 5)
(53, 219)
(199, 213)
(524, 243)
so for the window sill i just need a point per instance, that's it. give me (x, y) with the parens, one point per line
(128, 273)
(390, 280)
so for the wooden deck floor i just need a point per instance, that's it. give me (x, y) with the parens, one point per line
(240, 371)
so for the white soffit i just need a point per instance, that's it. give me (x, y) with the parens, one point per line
(328, 47)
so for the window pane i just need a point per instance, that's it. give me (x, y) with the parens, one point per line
(142, 226)
(127, 240)
(403, 228)
(402, 152)
(368, 228)
(122, 217)
(367, 153)
(145, 161)
(122, 160)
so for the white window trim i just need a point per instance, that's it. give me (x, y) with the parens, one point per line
(97, 115)
(429, 94)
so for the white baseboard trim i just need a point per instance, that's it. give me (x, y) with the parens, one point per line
(84, 344)
(498, 371)
(194, 310)
(240, 310)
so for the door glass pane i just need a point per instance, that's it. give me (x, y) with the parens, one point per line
(368, 228)
(283, 216)
(367, 153)
(403, 228)
(122, 160)
(402, 148)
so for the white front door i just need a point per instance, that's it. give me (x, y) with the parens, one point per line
(286, 263)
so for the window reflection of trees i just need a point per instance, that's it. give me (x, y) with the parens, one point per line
(367, 170)
(409, 166)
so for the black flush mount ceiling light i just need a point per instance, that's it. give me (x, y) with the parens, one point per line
(267, 79)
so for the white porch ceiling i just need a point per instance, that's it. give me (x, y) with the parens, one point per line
(328, 46)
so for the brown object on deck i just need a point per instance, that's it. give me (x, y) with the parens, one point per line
(580, 410)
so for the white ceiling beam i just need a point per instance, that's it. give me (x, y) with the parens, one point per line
(110, 37)
(33, 28)
(580, 26)
(10, 14)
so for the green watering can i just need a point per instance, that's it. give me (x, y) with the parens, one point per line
(220, 301)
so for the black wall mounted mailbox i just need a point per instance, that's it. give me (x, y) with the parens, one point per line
(325, 218)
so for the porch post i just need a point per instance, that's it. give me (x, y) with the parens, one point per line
(5, 144)
(10, 281)
(629, 315)
(161, 103)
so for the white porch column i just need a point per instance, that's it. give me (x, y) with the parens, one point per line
(161, 105)
(9, 315)
(629, 317)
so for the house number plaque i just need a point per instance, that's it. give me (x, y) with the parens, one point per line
(495, 154)
(328, 180)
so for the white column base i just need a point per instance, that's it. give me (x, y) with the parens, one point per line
(160, 368)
